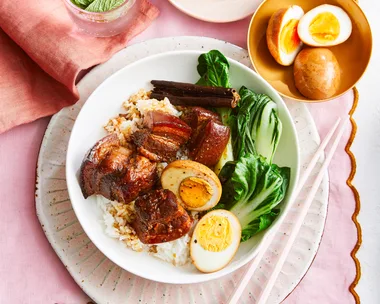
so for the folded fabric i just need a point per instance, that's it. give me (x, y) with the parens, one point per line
(42, 53)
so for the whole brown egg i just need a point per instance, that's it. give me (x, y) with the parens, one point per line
(316, 73)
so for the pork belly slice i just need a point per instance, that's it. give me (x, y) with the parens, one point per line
(92, 160)
(140, 177)
(210, 143)
(168, 126)
(194, 116)
(161, 137)
(156, 148)
(197, 118)
(209, 137)
(110, 170)
(116, 172)
(160, 218)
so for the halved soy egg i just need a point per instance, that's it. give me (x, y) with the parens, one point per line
(325, 25)
(196, 186)
(282, 37)
(215, 240)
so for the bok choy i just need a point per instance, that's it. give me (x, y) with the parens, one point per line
(213, 68)
(258, 126)
(251, 190)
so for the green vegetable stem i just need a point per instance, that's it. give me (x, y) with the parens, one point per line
(258, 126)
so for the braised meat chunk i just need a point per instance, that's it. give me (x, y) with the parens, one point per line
(161, 137)
(110, 170)
(154, 147)
(197, 118)
(210, 143)
(168, 126)
(160, 218)
(140, 177)
(194, 116)
(116, 172)
(92, 161)
(209, 136)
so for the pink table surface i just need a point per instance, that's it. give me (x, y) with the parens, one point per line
(30, 272)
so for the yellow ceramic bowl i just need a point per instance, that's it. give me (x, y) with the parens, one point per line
(353, 55)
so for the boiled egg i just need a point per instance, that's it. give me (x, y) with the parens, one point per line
(215, 240)
(317, 73)
(325, 25)
(196, 186)
(282, 37)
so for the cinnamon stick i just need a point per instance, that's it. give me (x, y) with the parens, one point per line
(187, 94)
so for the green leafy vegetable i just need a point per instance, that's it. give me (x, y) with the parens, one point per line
(259, 224)
(251, 190)
(213, 68)
(258, 126)
(98, 6)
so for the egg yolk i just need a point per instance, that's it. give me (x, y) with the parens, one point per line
(289, 40)
(214, 233)
(324, 27)
(195, 192)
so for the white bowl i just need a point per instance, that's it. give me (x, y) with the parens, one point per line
(105, 102)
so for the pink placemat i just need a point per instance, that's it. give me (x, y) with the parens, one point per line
(28, 262)
(333, 274)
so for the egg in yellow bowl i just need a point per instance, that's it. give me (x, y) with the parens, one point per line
(325, 25)
(215, 240)
(353, 55)
(282, 36)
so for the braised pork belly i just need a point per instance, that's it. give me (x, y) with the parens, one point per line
(116, 172)
(160, 218)
(161, 137)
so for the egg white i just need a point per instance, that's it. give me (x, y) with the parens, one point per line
(293, 12)
(339, 13)
(209, 261)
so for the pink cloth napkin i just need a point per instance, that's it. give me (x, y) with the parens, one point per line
(42, 53)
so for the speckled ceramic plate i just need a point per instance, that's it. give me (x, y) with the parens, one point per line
(105, 282)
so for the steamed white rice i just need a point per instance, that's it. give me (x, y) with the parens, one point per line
(144, 106)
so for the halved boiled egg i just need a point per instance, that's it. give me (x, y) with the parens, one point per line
(325, 25)
(196, 186)
(282, 37)
(215, 240)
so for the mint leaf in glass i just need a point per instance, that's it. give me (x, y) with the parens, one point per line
(82, 3)
(99, 6)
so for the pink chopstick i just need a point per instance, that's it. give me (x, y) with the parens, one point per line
(293, 234)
